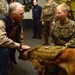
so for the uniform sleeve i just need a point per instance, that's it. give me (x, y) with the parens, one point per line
(4, 40)
(51, 39)
(54, 10)
(71, 42)
(42, 14)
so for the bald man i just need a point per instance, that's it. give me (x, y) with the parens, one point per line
(11, 34)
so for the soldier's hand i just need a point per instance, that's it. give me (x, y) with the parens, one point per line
(53, 22)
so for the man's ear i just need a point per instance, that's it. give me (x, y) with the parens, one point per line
(12, 15)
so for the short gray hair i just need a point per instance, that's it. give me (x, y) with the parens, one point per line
(13, 6)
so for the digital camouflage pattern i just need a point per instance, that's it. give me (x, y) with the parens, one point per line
(45, 31)
(62, 33)
(3, 6)
(57, 1)
(48, 15)
(48, 10)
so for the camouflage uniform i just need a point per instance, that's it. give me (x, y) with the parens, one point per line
(57, 1)
(3, 7)
(47, 16)
(61, 1)
(63, 33)
(70, 14)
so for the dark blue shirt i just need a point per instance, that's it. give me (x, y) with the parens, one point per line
(36, 12)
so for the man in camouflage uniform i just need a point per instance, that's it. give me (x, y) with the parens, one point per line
(3, 6)
(47, 18)
(63, 32)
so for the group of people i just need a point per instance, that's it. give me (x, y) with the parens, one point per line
(42, 17)
(58, 29)
(58, 26)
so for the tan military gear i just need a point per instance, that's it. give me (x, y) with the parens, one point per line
(41, 53)
(48, 10)
(47, 52)
(57, 1)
